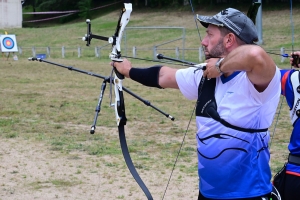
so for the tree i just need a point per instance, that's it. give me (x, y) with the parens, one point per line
(85, 8)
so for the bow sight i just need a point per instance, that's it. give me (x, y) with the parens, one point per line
(88, 37)
(115, 40)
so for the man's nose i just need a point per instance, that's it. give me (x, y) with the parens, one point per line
(204, 42)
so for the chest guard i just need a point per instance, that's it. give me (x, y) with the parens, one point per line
(295, 110)
(207, 106)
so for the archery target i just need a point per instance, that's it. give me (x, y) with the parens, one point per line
(8, 43)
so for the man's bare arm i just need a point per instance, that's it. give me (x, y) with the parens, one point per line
(253, 59)
(166, 76)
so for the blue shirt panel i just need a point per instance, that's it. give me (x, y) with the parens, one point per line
(294, 145)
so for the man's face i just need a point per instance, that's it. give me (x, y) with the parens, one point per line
(213, 42)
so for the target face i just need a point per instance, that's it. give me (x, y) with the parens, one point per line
(8, 43)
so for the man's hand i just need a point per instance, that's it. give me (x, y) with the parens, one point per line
(122, 67)
(211, 69)
(295, 58)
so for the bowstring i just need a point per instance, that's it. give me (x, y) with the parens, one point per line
(292, 29)
(196, 22)
(182, 143)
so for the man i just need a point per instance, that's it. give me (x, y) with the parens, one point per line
(287, 181)
(237, 98)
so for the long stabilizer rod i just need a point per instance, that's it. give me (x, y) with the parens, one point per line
(107, 79)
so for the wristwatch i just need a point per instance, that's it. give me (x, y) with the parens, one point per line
(218, 65)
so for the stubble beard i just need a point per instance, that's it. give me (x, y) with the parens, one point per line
(217, 51)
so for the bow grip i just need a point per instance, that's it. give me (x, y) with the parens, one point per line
(119, 75)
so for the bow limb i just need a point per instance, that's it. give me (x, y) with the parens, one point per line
(115, 54)
(121, 120)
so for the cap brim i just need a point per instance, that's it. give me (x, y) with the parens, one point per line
(206, 20)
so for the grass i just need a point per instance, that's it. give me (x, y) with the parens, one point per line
(276, 33)
(48, 104)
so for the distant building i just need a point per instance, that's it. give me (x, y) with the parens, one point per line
(11, 15)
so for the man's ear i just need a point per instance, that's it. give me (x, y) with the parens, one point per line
(229, 40)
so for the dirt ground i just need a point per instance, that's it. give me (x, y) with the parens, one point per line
(33, 171)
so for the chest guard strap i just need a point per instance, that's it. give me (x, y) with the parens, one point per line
(207, 106)
(295, 111)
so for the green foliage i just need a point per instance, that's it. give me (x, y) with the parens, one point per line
(56, 5)
(85, 6)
